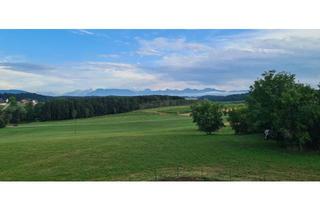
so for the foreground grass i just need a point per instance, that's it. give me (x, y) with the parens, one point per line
(153, 144)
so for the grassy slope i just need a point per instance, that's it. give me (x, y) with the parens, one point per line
(144, 145)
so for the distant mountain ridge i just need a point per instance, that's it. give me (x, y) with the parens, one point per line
(12, 91)
(26, 95)
(171, 92)
(209, 93)
(206, 93)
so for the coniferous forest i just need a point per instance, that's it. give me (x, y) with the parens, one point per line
(83, 107)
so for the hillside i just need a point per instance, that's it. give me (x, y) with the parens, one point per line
(151, 144)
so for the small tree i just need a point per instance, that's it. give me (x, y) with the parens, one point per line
(207, 116)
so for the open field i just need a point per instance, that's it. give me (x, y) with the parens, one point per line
(152, 144)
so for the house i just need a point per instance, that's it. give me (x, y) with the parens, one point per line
(27, 101)
(34, 102)
(3, 101)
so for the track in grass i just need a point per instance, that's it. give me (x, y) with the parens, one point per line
(153, 144)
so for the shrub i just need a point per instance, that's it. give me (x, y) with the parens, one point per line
(2, 122)
(238, 119)
(207, 116)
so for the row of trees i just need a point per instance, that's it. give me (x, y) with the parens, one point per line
(70, 108)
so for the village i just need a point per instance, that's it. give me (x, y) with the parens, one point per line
(4, 102)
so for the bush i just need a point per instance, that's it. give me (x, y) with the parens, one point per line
(238, 119)
(2, 123)
(207, 116)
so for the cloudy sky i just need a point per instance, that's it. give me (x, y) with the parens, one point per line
(64, 60)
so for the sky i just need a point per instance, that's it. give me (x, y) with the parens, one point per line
(59, 61)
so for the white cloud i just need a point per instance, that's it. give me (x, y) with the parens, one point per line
(122, 75)
(265, 44)
(82, 32)
(11, 79)
(160, 46)
(277, 41)
(244, 56)
(109, 56)
(11, 58)
(88, 75)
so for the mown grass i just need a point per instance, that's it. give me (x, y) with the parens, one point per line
(153, 144)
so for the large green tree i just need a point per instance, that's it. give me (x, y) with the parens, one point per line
(289, 109)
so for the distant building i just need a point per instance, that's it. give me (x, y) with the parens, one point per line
(3, 101)
(27, 101)
(34, 102)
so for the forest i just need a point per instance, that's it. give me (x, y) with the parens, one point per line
(81, 107)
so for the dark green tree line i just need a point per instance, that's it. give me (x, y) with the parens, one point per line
(61, 109)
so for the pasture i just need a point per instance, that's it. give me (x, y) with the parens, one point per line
(145, 145)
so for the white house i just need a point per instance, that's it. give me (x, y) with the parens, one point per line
(3, 102)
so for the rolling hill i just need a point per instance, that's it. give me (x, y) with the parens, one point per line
(151, 144)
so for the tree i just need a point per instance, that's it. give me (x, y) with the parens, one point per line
(239, 121)
(207, 116)
(15, 113)
(30, 113)
(289, 109)
(265, 98)
(2, 122)
(12, 101)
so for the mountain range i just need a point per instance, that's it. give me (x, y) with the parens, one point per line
(188, 92)
(207, 93)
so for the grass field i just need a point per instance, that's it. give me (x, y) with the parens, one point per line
(152, 144)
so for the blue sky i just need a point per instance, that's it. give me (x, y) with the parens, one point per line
(64, 60)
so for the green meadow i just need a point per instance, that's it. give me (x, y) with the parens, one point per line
(145, 145)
